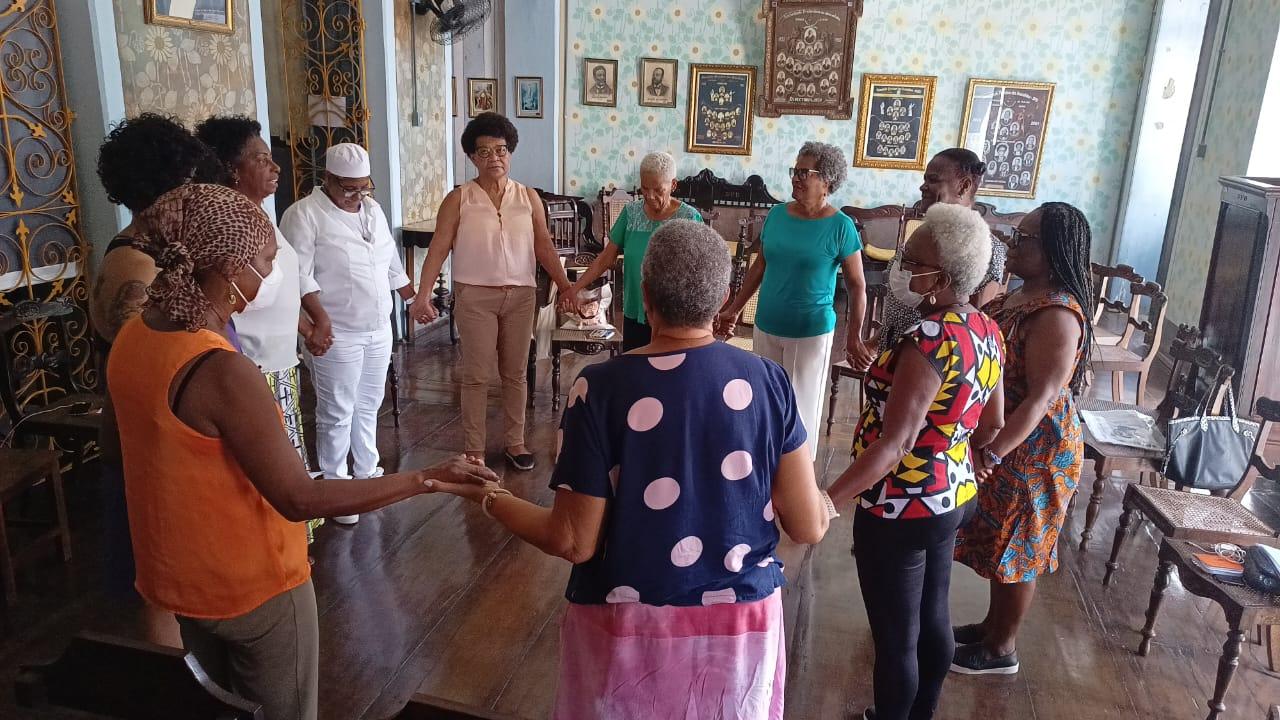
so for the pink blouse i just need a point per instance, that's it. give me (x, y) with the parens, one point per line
(494, 246)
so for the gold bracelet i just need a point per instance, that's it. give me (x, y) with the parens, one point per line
(489, 498)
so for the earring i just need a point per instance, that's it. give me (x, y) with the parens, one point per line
(231, 295)
(932, 300)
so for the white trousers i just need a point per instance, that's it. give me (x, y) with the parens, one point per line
(350, 381)
(808, 364)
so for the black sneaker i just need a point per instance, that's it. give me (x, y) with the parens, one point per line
(968, 634)
(976, 660)
(523, 461)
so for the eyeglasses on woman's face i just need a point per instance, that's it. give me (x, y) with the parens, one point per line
(802, 174)
(484, 153)
(1018, 236)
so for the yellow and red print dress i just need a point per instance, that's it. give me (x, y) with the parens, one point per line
(936, 477)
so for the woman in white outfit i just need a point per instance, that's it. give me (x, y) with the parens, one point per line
(348, 265)
(802, 245)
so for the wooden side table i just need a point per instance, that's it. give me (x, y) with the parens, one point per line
(1243, 607)
(20, 470)
(419, 235)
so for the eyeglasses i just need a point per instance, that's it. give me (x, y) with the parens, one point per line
(1018, 236)
(802, 173)
(362, 193)
(485, 153)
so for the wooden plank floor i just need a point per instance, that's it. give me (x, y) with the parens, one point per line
(431, 596)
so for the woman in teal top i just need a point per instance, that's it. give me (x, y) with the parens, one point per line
(802, 245)
(630, 236)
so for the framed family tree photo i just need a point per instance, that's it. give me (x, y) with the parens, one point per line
(720, 109)
(482, 96)
(211, 15)
(1005, 122)
(529, 97)
(893, 121)
(658, 82)
(808, 58)
(599, 82)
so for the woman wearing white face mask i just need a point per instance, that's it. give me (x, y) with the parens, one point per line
(269, 325)
(930, 399)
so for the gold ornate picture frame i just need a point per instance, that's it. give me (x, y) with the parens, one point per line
(1005, 123)
(808, 59)
(720, 109)
(894, 113)
(209, 15)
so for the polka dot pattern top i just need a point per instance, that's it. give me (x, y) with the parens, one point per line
(684, 447)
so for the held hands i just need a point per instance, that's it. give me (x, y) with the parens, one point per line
(861, 354)
(725, 323)
(982, 467)
(320, 337)
(422, 310)
(460, 476)
(568, 301)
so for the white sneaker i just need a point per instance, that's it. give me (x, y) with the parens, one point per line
(346, 519)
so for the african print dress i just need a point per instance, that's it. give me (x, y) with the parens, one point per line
(287, 389)
(1013, 537)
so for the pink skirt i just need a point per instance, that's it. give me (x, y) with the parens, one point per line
(720, 662)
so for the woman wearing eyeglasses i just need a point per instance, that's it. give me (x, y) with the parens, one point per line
(1034, 463)
(803, 243)
(496, 230)
(348, 266)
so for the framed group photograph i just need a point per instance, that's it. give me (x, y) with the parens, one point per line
(893, 121)
(1005, 122)
(658, 82)
(599, 82)
(720, 109)
(529, 97)
(482, 96)
(211, 15)
(808, 59)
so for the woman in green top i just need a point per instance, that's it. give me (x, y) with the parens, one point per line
(802, 245)
(630, 236)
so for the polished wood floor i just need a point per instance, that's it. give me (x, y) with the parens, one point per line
(431, 596)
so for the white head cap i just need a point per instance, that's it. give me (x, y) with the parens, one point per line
(347, 160)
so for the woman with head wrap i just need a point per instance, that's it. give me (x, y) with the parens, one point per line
(216, 492)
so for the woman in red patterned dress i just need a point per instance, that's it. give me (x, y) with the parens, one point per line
(1034, 463)
(928, 398)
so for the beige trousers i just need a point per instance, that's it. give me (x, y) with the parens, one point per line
(494, 323)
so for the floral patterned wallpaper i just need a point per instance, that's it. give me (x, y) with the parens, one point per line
(1094, 50)
(187, 73)
(1242, 80)
(422, 149)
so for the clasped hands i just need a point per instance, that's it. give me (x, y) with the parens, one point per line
(460, 476)
(316, 335)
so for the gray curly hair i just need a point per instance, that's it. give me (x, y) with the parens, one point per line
(686, 273)
(831, 162)
(964, 244)
(659, 165)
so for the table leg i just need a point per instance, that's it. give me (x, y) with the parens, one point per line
(531, 372)
(1122, 531)
(1153, 609)
(555, 377)
(1103, 469)
(1226, 669)
(60, 500)
(831, 402)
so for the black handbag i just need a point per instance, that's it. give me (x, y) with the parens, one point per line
(1210, 452)
(1262, 568)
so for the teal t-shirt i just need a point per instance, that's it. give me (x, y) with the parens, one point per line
(631, 233)
(801, 258)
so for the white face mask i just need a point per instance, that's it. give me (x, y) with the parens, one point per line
(268, 289)
(900, 285)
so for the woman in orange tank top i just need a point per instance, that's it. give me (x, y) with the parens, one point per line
(216, 493)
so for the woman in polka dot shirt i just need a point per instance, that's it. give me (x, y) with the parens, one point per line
(677, 463)
(934, 400)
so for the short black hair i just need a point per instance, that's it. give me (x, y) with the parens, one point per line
(966, 162)
(489, 124)
(226, 136)
(146, 156)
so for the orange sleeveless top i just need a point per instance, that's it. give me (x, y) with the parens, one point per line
(206, 543)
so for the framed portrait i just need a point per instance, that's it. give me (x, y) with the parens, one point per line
(893, 121)
(1004, 121)
(529, 97)
(658, 82)
(808, 59)
(720, 109)
(211, 15)
(482, 96)
(599, 82)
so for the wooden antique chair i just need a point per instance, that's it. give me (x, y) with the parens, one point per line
(21, 471)
(130, 680)
(578, 341)
(611, 205)
(841, 368)
(883, 231)
(40, 390)
(569, 219)
(1194, 368)
(1146, 327)
(1105, 279)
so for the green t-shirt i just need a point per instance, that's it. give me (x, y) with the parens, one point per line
(801, 258)
(631, 234)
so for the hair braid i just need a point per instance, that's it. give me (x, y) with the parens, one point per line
(1067, 241)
